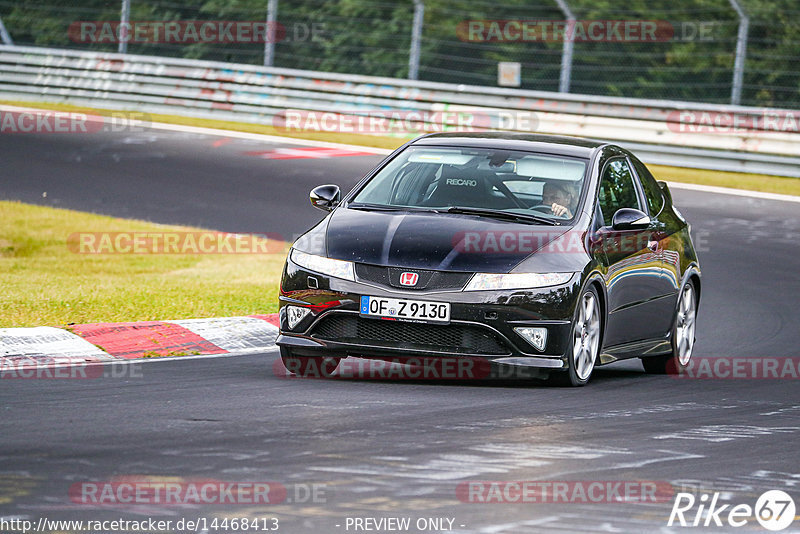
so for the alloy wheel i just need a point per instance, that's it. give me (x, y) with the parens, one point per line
(685, 323)
(586, 336)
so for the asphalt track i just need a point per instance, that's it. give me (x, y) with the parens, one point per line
(393, 448)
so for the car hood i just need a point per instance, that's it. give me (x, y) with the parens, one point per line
(445, 242)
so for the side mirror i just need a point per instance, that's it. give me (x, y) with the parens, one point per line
(325, 197)
(629, 219)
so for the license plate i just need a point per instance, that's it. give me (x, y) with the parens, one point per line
(407, 310)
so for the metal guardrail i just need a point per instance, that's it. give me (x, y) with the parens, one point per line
(248, 93)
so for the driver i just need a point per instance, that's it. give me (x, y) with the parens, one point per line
(560, 198)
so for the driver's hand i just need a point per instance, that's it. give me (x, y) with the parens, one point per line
(560, 210)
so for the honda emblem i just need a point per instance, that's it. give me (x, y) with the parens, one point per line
(409, 279)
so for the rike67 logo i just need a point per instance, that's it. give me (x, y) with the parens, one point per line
(774, 510)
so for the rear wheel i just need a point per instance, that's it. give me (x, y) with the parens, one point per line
(309, 366)
(584, 343)
(682, 337)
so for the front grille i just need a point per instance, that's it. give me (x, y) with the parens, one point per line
(430, 280)
(455, 338)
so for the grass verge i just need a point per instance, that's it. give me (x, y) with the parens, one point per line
(45, 283)
(736, 180)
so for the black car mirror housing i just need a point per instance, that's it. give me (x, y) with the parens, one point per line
(325, 197)
(630, 219)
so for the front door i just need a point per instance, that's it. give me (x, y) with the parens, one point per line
(634, 264)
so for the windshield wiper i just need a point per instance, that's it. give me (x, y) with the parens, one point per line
(500, 214)
(481, 212)
(386, 207)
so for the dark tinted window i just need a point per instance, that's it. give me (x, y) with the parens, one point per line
(617, 189)
(651, 190)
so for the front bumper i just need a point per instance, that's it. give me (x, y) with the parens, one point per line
(481, 322)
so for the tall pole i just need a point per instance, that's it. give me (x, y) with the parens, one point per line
(269, 42)
(741, 53)
(566, 51)
(124, 26)
(4, 36)
(416, 37)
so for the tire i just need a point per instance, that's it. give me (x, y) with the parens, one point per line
(309, 366)
(584, 342)
(682, 334)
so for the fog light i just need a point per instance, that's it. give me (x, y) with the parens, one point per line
(537, 337)
(295, 314)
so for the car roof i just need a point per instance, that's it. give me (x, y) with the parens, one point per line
(549, 144)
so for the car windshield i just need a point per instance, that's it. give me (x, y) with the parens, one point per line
(515, 183)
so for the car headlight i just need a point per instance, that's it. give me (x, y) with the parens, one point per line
(491, 281)
(323, 265)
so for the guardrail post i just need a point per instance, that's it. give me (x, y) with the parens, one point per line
(124, 25)
(271, 33)
(566, 51)
(741, 53)
(4, 36)
(416, 37)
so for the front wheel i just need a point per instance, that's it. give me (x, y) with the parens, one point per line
(308, 366)
(584, 343)
(682, 337)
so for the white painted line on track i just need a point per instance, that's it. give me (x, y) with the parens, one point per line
(266, 138)
(226, 133)
(736, 192)
(234, 334)
(384, 151)
(46, 344)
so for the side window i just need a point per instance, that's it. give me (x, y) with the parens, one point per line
(617, 190)
(655, 199)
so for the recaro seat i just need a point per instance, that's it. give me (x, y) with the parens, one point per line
(463, 187)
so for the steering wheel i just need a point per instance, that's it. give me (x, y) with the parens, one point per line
(544, 208)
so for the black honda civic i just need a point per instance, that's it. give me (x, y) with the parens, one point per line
(553, 253)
